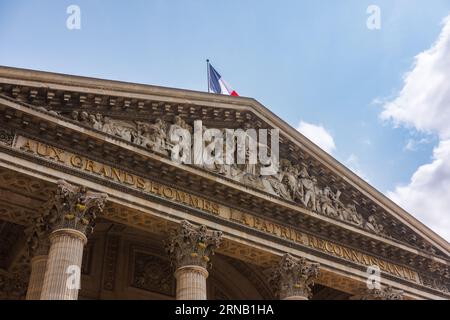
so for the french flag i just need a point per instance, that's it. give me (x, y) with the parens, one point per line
(217, 84)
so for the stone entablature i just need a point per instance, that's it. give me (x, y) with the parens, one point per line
(303, 182)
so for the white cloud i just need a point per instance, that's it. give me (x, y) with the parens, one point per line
(424, 104)
(319, 135)
(427, 195)
(424, 101)
(414, 144)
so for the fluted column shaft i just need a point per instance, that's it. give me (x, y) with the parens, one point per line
(191, 283)
(65, 256)
(36, 282)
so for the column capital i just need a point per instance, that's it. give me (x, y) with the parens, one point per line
(192, 245)
(294, 277)
(75, 208)
(38, 241)
(386, 293)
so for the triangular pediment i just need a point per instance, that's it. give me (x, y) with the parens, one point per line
(144, 115)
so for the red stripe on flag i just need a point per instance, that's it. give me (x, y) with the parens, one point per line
(234, 93)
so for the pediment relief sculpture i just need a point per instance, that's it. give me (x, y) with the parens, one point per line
(293, 182)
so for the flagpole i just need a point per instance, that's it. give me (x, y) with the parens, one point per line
(207, 72)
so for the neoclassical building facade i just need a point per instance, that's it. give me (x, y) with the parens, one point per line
(92, 206)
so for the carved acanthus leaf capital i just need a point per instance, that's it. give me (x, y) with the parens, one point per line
(191, 245)
(294, 277)
(38, 241)
(75, 208)
(386, 293)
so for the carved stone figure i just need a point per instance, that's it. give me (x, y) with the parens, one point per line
(278, 184)
(308, 187)
(49, 110)
(84, 118)
(153, 136)
(290, 178)
(125, 133)
(74, 115)
(328, 202)
(179, 123)
(350, 214)
(97, 121)
(372, 225)
(108, 126)
(177, 129)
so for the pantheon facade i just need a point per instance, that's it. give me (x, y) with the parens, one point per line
(92, 206)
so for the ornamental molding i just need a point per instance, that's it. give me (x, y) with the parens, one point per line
(385, 293)
(6, 137)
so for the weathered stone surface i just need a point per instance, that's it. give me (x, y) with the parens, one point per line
(293, 278)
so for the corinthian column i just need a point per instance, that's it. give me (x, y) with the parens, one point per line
(38, 246)
(190, 249)
(294, 278)
(71, 216)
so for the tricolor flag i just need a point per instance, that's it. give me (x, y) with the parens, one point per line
(217, 84)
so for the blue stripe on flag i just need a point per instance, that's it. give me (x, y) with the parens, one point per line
(214, 77)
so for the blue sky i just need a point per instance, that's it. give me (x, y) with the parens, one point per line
(306, 61)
